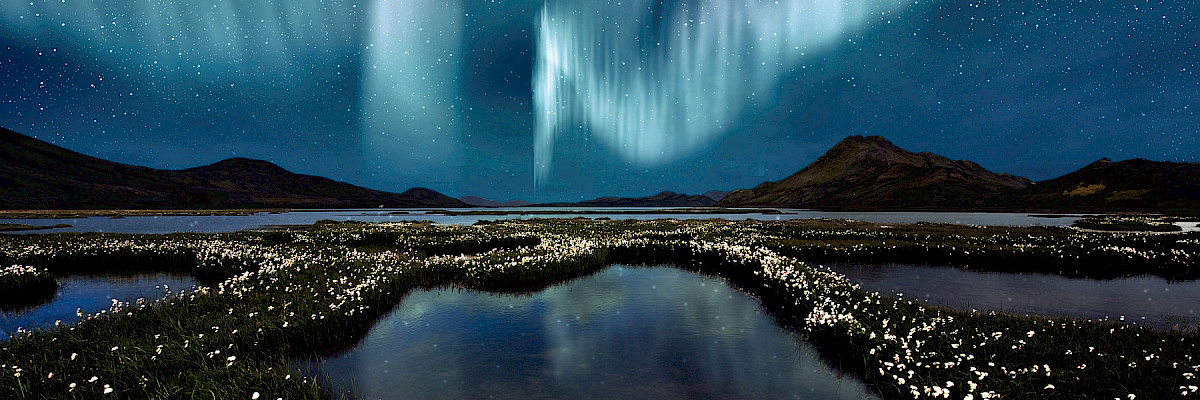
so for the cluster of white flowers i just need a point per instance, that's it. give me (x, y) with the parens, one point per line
(322, 276)
(20, 271)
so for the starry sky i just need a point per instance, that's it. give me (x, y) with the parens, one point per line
(556, 100)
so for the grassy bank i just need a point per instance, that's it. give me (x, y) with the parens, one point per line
(25, 227)
(1133, 223)
(1055, 251)
(23, 286)
(276, 296)
(66, 214)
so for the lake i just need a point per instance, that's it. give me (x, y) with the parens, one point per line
(92, 294)
(1149, 300)
(222, 223)
(624, 332)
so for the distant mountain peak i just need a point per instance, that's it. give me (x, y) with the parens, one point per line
(1137, 185)
(871, 171)
(421, 193)
(1102, 164)
(860, 140)
(39, 175)
(857, 149)
(243, 164)
(866, 145)
(716, 195)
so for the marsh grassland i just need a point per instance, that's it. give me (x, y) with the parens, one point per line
(271, 298)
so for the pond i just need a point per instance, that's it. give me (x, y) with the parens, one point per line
(1149, 300)
(92, 294)
(233, 223)
(624, 332)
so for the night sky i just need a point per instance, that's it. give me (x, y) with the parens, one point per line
(574, 99)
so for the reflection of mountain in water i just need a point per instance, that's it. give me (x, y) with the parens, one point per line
(621, 333)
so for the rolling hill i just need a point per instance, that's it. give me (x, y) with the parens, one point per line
(38, 175)
(872, 173)
(1130, 185)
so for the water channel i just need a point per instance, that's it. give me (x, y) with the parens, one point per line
(625, 332)
(91, 294)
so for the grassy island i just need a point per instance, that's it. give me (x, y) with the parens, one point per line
(271, 298)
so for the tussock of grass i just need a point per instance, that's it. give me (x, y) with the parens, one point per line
(23, 285)
(1134, 223)
(288, 295)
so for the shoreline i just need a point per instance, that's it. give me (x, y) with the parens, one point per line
(24, 227)
(66, 214)
(277, 296)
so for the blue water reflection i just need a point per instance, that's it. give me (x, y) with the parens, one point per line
(91, 294)
(233, 223)
(1148, 300)
(625, 332)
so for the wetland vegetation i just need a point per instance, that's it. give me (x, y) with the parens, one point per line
(1144, 223)
(27, 227)
(270, 298)
(60, 214)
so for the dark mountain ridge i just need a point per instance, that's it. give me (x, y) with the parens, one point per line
(871, 172)
(38, 175)
(1129, 185)
(867, 173)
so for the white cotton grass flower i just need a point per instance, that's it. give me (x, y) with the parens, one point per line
(911, 343)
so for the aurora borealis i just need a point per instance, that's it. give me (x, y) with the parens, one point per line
(564, 100)
(655, 92)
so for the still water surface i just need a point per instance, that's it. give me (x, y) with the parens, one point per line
(658, 333)
(1150, 300)
(212, 224)
(92, 294)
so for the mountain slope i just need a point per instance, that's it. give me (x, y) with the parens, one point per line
(871, 172)
(39, 175)
(716, 195)
(1130, 185)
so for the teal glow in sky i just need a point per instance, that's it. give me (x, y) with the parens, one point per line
(211, 41)
(410, 98)
(597, 97)
(655, 92)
